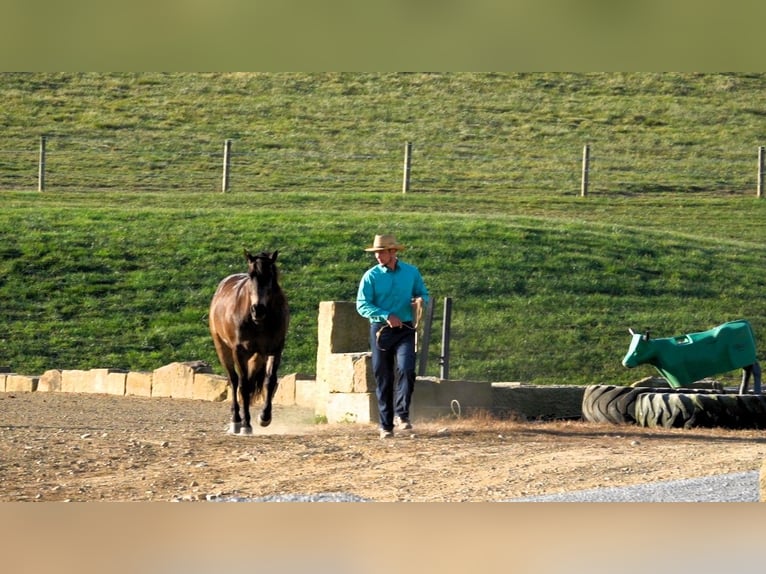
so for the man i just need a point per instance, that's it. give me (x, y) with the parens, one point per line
(387, 295)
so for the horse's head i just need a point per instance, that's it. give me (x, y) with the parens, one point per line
(640, 351)
(263, 282)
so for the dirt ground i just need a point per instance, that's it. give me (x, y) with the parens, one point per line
(78, 447)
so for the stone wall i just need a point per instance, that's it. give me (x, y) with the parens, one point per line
(343, 389)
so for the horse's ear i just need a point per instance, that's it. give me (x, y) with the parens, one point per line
(274, 256)
(247, 254)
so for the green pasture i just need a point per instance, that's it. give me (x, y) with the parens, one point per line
(543, 291)
(544, 283)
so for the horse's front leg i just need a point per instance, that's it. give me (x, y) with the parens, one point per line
(236, 420)
(246, 389)
(272, 366)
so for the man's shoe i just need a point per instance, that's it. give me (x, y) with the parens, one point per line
(402, 424)
(386, 433)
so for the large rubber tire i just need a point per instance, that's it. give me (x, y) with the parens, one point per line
(611, 403)
(688, 410)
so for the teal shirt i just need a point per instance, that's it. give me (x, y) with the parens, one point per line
(383, 292)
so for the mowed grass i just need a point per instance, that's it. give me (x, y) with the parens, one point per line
(543, 291)
(96, 272)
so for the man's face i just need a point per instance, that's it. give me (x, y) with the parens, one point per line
(386, 257)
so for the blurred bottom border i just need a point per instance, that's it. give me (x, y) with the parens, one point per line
(372, 538)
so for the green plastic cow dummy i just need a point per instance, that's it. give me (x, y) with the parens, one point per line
(688, 358)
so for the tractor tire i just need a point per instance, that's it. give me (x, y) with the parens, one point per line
(611, 403)
(688, 410)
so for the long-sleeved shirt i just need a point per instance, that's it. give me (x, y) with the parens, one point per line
(383, 292)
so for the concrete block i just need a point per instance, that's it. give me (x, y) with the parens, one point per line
(210, 387)
(75, 381)
(306, 393)
(108, 381)
(533, 402)
(177, 379)
(341, 328)
(352, 408)
(20, 383)
(364, 382)
(139, 383)
(350, 373)
(434, 398)
(50, 381)
(285, 394)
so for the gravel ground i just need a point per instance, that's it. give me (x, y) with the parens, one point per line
(735, 487)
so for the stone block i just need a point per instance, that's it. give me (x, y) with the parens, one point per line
(341, 328)
(20, 383)
(285, 394)
(352, 408)
(139, 384)
(210, 387)
(50, 381)
(177, 379)
(75, 381)
(306, 393)
(108, 381)
(350, 373)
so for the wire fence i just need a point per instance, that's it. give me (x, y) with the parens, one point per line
(195, 164)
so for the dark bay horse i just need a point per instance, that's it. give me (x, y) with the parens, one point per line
(248, 321)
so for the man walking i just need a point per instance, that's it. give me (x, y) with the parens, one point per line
(387, 295)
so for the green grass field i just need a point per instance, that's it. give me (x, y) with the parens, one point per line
(544, 283)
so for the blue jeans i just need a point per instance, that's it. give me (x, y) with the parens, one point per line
(393, 366)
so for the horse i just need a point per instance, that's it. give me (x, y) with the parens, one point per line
(248, 321)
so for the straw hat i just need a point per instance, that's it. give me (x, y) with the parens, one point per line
(383, 242)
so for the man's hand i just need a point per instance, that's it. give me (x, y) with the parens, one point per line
(393, 321)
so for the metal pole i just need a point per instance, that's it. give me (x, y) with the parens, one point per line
(407, 167)
(41, 166)
(446, 323)
(226, 165)
(585, 170)
(423, 350)
(760, 171)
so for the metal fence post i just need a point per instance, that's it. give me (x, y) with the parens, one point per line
(446, 323)
(585, 170)
(226, 165)
(407, 167)
(41, 166)
(760, 171)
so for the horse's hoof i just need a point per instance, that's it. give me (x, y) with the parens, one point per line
(264, 422)
(246, 431)
(234, 428)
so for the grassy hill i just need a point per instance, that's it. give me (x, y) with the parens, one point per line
(544, 283)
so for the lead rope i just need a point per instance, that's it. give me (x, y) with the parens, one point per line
(417, 312)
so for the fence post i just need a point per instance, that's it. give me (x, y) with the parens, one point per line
(407, 166)
(446, 323)
(41, 166)
(226, 165)
(585, 170)
(760, 171)
(423, 346)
